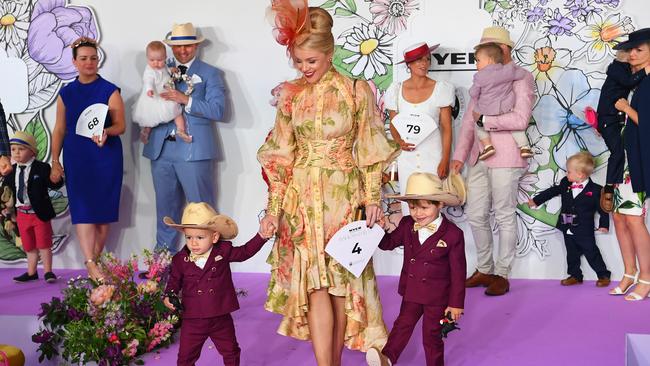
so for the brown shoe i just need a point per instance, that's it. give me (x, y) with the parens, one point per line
(478, 279)
(570, 281)
(607, 200)
(487, 152)
(498, 287)
(526, 152)
(374, 357)
(603, 282)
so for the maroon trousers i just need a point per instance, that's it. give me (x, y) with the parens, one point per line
(220, 329)
(409, 314)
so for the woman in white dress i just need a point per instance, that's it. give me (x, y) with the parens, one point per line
(415, 106)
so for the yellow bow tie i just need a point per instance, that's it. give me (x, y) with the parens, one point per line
(431, 226)
(196, 257)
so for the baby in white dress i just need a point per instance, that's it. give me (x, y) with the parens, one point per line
(150, 109)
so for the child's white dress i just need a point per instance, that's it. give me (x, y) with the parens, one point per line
(427, 155)
(152, 111)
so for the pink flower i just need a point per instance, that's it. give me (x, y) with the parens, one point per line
(101, 294)
(589, 194)
(113, 338)
(148, 287)
(131, 349)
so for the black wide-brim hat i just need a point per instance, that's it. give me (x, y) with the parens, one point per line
(634, 39)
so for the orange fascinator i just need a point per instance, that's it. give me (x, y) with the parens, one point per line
(291, 23)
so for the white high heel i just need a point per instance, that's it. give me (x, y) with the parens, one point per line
(633, 296)
(617, 291)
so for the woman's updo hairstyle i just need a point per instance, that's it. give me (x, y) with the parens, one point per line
(318, 36)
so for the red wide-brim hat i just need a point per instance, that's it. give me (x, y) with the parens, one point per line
(417, 51)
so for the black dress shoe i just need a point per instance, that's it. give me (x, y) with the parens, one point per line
(26, 277)
(50, 277)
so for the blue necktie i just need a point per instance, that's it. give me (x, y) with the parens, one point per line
(21, 183)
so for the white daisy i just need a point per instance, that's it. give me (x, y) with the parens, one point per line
(371, 47)
(14, 21)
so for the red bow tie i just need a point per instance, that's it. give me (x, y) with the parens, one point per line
(574, 186)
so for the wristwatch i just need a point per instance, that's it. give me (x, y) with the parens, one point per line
(479, 122)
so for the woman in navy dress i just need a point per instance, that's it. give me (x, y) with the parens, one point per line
(93, 167)
(630, 209)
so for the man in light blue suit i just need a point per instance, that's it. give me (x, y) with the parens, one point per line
(184, 171)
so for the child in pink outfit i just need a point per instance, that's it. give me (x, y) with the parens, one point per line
(493, 95)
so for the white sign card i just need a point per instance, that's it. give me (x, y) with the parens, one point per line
(353, 245)
(414, 127)
(91, 120)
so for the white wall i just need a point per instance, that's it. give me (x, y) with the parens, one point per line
(241, 45)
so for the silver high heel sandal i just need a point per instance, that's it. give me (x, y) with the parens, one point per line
(617, 291)
(633, 296)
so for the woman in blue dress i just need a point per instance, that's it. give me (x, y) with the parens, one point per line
(93, 166)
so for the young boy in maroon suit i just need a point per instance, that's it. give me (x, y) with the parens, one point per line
(201, 273)
(433, 274)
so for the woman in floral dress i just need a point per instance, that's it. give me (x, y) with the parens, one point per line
(630, 196)
(324, 159)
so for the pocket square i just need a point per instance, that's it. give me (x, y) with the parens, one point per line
(441, 244)
(196, 79)
(218, 258)
(36, 176)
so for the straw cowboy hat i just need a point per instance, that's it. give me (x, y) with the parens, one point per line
(25, 139)
(496, 35)
(202, 216)
(417, 51)
(183, 34)
(634, 39)
(455, 183)
(427, 186)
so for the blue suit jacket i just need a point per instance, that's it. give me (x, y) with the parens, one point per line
(208, 103)
(636, 139)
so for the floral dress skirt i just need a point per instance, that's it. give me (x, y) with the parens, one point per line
(626, 201)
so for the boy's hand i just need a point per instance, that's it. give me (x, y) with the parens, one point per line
(267, 231)
(622, 105)
(531, 203)
(57, 172)
(150, 93)
(168, 304)
(603, 230)
(456, 313)
(457, 166)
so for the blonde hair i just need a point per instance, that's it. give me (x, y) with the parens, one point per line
(318, 36)
(622, 55)
(583, 162)
(156, 46)
(491, 51)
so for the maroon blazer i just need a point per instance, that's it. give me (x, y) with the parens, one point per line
(209, 292)
(431, 274)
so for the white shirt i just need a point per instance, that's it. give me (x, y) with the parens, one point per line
(202, 261)
(27, 168)
(188, 65)
(425, 233)
(576, 191)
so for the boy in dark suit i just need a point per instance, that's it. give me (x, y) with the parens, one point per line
(432, 282)
(580, 201)
(201, 273)
(33, 206)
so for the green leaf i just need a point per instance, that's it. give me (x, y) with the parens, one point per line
(383, 82)
(329, 4)
(9, 252)
(36, 127)
(505, 4)
(60, 204)
(352, 5)
(489, 6)
(627, 205)
(343, 12)
(339, 55)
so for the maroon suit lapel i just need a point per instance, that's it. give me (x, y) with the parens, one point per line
(432, 241)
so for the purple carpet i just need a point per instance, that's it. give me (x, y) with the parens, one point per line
(538, 323)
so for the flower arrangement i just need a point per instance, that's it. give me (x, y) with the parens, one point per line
(177, 77)
(111, 322)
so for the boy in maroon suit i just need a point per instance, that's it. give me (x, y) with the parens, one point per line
(433, 274)
(201, 273)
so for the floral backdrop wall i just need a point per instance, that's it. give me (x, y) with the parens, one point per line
(566, 44)
(37, 34)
